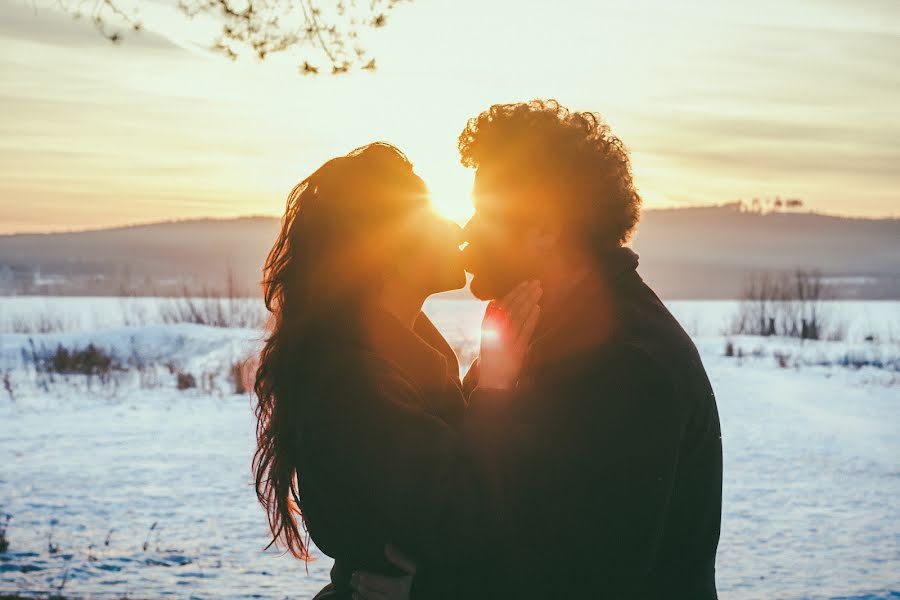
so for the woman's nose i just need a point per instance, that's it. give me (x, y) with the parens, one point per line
(457, 233)
(468, 229)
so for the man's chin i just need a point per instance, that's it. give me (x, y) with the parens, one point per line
(458, 281)
(485, 289)
(478, 292)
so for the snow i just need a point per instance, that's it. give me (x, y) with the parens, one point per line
(811, 454)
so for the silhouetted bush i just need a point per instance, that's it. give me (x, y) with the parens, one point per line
(4, 543)
(241, 375)
(782, 359)
(91, 361)
(8, 385)
(790, 305)
(185, 381)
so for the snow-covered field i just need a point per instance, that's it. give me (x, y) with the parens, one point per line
(130, 486)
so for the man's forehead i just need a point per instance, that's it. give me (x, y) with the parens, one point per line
(485, 179)
(507, 190)
(491, 188)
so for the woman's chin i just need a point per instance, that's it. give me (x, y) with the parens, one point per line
(478, 289)
(451, 283)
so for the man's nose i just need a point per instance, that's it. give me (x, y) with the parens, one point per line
(469, 229)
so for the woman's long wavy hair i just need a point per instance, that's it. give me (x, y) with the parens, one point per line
(339, 229)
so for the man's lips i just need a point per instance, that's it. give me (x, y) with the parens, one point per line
(469, 261)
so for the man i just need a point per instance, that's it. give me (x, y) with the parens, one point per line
(611, 468)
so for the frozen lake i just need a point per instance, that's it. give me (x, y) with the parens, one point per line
(812, 464)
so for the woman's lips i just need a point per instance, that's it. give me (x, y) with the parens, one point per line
(468, 259)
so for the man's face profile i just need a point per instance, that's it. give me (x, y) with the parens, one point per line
(497, 254)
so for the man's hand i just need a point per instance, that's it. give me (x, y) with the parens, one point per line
(370, 586)
(506, 334)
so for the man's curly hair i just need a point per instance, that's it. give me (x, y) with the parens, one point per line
(574, 151)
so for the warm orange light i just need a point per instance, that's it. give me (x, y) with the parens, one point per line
(490, 334)
(451, 189)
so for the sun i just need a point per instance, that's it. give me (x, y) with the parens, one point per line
(451, 191)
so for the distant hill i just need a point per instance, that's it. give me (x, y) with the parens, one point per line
(685, 253)
(153, 259)
(708, 252)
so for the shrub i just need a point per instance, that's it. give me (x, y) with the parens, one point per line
(790, 305)
(225, 307)
(4, 543)
(8, 385)
(90, 361)
(782, 359)
(214, 311)
(185, 381)
(241, 375)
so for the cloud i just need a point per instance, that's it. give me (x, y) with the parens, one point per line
(716, 99)
(43, 22)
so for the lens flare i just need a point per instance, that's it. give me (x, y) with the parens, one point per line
(490, 334)
(495, 323)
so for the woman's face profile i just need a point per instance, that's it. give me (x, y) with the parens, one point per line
(432, 260)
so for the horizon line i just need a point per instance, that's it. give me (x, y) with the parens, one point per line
(723, 205)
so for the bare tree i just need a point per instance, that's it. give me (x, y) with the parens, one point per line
(810, 292)
(786, 304)
(757, 314)
(326, 33)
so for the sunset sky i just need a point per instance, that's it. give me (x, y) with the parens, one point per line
(717, 100)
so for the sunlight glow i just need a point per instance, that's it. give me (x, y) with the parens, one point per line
(714, 109)
(451, 189)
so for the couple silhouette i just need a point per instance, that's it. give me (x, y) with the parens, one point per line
(581, 455)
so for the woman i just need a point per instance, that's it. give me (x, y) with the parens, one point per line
(361, 434)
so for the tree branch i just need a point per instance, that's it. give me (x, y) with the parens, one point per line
(317, 30)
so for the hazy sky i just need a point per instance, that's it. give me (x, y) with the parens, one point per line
(717, 100)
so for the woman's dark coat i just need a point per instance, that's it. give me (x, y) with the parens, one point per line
(378, 440)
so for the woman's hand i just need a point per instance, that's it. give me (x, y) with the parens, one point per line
(505, 335)
(370, 586)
